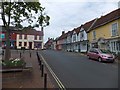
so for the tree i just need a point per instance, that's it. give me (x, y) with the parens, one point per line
(16, 13)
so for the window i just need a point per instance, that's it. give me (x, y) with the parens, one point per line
(25, 36)
(114, 29)
(94, 35)
(35, 37)
(74, 37)
(118, 45)
(25, 43)
(40, 38)
(82, 35)
(20, 36)
(20, 43)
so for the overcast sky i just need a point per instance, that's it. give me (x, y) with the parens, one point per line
(65, 15)
(68, 14)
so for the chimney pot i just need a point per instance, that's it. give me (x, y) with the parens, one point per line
(63, 32)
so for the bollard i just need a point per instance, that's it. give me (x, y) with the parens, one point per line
(37, 53)
(20, 54)
(30, 54)
(2, 52)
(42, 70)
(45, 81)
(40, 62)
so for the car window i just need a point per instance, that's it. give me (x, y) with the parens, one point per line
(91, 50)
(104, 51)
(95, 51)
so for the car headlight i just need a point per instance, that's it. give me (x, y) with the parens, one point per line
(104, 56)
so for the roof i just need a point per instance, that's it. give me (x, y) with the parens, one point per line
(63, 36)
(49, 42)
(87, 25)
(114, 15)
(26, 31)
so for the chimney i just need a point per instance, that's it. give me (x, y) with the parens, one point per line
(63, 32)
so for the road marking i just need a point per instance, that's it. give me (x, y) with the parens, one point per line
(62, 87)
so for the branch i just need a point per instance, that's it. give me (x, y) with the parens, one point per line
(9, 14)
(3, 15)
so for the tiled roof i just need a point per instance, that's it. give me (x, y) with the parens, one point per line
(87, 25)
(49, 42)
(66, 34)
(32, 32)
(63, 36)
(78, 29)
(107, 18)
(27, 31)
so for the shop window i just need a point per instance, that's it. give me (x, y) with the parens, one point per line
(25, 43)
(20, 43)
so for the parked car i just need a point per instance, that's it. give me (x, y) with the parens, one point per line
(100, 55)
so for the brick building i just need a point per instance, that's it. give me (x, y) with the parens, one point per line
(29, 38)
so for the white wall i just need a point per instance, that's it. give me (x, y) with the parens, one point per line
(30, 38)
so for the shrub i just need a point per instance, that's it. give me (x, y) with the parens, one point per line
(13, 63)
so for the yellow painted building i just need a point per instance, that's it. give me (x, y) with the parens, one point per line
(105, 32)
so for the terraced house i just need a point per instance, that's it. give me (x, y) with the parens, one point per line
(105, 33)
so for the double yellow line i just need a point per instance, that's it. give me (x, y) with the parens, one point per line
(53, 74)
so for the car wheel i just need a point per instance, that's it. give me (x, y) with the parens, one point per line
(100, 59)
(88, 57)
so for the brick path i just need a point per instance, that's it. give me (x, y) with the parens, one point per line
(26, 79)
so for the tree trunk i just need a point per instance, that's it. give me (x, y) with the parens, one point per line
(7, 50)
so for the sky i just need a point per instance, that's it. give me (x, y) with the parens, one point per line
(65, 15)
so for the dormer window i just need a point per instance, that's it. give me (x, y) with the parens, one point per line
(82, 35)
(74, 37)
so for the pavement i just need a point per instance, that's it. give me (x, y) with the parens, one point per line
(77, 71)
(26, 79)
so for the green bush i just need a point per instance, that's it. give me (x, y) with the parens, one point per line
(13, 63)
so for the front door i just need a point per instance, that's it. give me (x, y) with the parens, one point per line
(30, 45)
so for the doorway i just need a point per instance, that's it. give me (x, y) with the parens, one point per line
(30, 45)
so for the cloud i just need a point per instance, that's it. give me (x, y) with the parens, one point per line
(79, 1)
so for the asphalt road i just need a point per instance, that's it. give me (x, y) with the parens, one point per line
(77, 71)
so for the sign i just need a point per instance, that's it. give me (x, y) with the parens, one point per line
(2, 36)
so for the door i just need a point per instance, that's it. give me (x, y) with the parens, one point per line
(30, 45)
(96, 54)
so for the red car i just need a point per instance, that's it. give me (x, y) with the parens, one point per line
(100, 55)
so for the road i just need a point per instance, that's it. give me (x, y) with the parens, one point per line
(77, 71)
